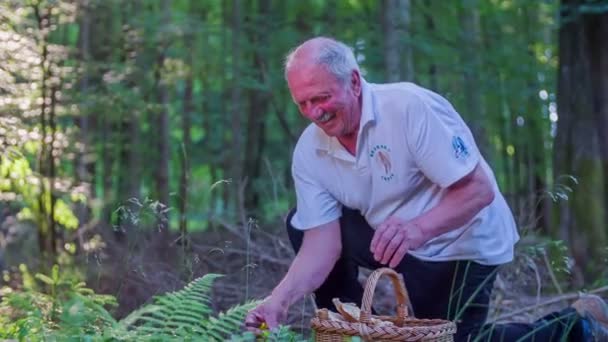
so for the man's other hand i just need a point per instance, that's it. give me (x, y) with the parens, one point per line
(394, 238)
(269, 312)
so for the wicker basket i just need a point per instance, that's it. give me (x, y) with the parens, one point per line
(404, 328)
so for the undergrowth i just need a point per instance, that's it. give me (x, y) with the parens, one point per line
(56, 308)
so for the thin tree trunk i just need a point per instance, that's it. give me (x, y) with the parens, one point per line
(133, 135)
(186, 147)
(212, 136)
(52, 173)
(106, 171)
(237, 106)
(258, 106)
(82, 160)
(430, 26)
(471, 61)
(397, 47)
(162, 126)
(43, 162)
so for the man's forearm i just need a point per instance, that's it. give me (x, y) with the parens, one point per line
(316, 258)
(304, 276)
(459, 205)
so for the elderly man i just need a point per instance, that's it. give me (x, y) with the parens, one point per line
(390, 175)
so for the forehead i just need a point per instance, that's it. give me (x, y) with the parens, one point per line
(307, 80)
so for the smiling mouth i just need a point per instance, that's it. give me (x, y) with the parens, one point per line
(325, 117)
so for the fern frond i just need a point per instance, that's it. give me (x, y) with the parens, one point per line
(218, 328)
(181, 314)
(138, 314)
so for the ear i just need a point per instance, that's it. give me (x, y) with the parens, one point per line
(355, 82)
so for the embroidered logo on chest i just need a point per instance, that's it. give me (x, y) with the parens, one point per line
(381, 158)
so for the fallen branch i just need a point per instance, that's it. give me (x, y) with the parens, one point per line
(569, 296)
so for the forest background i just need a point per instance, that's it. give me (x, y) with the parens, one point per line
(146, 143)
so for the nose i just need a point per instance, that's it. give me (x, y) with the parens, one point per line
(312, 111)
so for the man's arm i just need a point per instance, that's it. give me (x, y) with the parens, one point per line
(461, 202)
(316, 258)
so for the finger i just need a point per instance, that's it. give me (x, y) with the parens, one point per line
(253, 320)
(376, 236)
(385, 237)
(392, 246)
(253, 327)
(253, 317)
(399, 254)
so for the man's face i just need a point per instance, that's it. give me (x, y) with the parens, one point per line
(330, 104)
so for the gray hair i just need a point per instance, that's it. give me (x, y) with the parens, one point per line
(336, 57)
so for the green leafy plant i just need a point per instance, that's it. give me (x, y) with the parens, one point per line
(54, 308)
(59, 308)
(186, 315)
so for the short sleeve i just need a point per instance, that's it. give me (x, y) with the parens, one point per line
(315, 205)
(440, 142)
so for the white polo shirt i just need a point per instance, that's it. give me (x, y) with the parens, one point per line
(411, 145)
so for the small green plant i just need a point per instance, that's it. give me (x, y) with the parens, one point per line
(53, 308)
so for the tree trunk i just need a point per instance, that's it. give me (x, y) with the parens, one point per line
(398, 59)
(430, 26)
(52, 172)
(471, 62)
(45, 220)
(236, 112)
(107, 161)
(258, 109)
(83, 163)
(213, 137)
(580, 144)
(162, 126)
(185, 148)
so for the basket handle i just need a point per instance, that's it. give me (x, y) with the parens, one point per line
(403, 299)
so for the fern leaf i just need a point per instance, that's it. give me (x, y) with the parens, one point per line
(230, 321)
(186, 315)
(138, 314)
(181, 313)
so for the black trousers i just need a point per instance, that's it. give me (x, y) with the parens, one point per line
(454, 290)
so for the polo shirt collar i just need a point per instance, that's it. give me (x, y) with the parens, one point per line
(332, 145)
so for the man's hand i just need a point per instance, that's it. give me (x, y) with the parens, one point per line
(395, 237)
(268, 312)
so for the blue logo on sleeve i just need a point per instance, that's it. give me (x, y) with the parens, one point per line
(460, 149)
